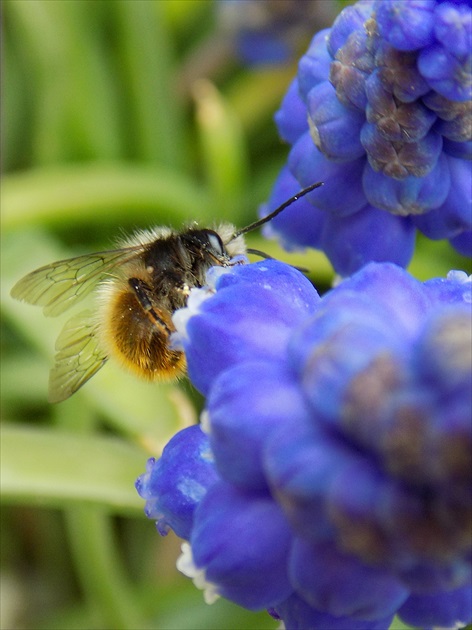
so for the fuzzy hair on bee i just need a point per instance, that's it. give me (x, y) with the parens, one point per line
(135, 307)
(139, 285)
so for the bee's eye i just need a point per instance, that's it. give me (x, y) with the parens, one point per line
(216, 243)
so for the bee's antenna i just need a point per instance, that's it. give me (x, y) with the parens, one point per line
(275, 212)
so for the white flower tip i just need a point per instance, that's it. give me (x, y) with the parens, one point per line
(459, 276)
(185, 562)
(205, 423)
(195, 299)
(186, 565)
(214, 273)
(182, 315)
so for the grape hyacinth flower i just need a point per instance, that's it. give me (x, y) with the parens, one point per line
(330, 481)
(271, 32)
(381, 112)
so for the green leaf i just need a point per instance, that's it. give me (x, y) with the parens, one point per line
(148, 67)
(98, 193)
(54, 468)
(75, 114)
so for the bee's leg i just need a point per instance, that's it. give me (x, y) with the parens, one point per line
(142, 294)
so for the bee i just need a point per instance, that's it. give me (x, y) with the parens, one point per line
(139, 286)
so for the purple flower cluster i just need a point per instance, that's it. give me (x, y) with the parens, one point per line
(381, 111)
(331, 481)
(271, 32)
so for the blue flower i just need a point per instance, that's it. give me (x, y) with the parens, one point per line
(269, 32)
(234, 520)
(337, 493)
(175, 484)
(408, 27)
(298, 615)
(381, 111)
(289, 296)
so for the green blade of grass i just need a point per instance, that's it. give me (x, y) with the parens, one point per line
(56, 468)
(98, 193)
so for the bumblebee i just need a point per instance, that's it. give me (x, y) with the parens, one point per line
(139, 286)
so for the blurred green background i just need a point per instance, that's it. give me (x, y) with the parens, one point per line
(117, 114)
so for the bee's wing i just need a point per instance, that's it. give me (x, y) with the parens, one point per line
(78, 357)
(60, 285)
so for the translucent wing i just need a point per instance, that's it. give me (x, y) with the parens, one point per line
(60, 285)
(78, 357)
